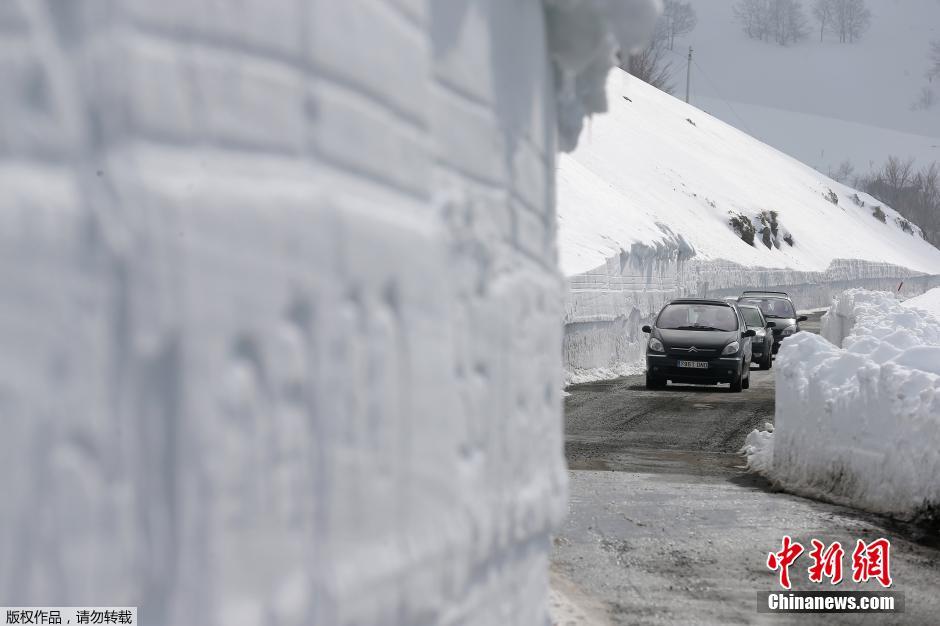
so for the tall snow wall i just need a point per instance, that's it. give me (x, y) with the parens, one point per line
(280, 307)
(859, 425)
(606, 307)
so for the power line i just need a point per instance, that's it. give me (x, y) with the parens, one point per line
(720, 97)
(714, 86)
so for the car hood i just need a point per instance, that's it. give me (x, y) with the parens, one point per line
(712, 339)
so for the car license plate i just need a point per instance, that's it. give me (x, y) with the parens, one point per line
(702, 365)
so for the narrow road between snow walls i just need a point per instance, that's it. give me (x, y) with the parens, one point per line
(665, 525)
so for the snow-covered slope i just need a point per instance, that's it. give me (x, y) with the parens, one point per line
(825, 142)
(644, 205)
(655, 166)
(862, 91)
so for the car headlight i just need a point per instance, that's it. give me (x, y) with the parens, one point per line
(656, 345)
(789, 330)
(731, 348)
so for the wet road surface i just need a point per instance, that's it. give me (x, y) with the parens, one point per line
(665, 526)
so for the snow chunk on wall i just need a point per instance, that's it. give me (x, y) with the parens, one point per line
(583, 38)
(859, 425)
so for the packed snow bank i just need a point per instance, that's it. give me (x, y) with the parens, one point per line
(279, 307)
(645, 210)
(929, 302)
(859, 424)
(861, 320)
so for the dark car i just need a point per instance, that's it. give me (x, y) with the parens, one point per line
(762, 344)
(777, 308)
(699, 341)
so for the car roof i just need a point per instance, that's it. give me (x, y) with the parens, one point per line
(701, 301)
(765, 294)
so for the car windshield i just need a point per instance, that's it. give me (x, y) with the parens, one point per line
(772, 307)
(697, 317)
(752, 317)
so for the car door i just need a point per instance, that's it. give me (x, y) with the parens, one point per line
(748, 345)
(768, 333)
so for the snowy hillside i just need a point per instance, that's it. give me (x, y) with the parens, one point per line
(644, 211)
(822, 102)
(655, 169)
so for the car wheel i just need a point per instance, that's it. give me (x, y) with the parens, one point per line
(766, 361)
(737, 384)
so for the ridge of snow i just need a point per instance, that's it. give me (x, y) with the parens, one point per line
(929, 302)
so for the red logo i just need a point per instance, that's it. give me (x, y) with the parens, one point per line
(783, 559)
(872, 561)
(826, 563)
(869, 561)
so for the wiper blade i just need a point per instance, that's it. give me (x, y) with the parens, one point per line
(699, 328)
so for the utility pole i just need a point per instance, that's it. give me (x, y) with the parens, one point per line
(688, 76)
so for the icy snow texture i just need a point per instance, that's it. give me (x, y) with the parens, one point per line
(859, 425)
(643, 207)
(280, 308)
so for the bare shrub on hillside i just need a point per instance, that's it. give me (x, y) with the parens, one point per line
(915, 194)
(679, 18)
(781, 21)
(652, 64)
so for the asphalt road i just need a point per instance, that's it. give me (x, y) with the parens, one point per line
(666, 526)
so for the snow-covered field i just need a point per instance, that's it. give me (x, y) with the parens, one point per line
(860, 423)
(821, 102)
(644, 205)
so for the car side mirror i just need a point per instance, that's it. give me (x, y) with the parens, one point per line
(802, 318)
(771, 324)
(748, 333)
(647, 329)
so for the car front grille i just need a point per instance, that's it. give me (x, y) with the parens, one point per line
(693, 352)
